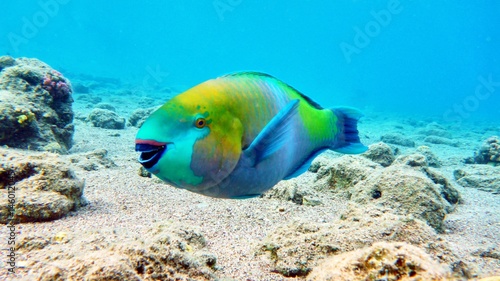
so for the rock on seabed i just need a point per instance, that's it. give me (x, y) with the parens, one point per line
(35, 106)
(44, 186)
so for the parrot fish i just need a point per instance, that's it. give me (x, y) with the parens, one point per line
(238, 135)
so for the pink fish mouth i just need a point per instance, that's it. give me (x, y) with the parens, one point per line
(151, 151)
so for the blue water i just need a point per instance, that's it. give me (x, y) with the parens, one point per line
(428, 58)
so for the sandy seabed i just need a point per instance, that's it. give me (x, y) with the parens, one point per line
(121, 201)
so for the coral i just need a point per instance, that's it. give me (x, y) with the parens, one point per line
(106, 119)
(382, 261)
(397, 139)
(25, 119)
(31, 117)
(58, 86)
(45, 187)
(489, 153)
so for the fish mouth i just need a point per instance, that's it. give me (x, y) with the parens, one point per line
(151, 152)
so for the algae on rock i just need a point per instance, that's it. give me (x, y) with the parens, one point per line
(35, 106)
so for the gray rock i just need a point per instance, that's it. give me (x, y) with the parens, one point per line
(491, 252)
(6, 61)
(343, 173)
(79, 87)
(447, 191)
(106, 119)
(35, 106)
(92, 99)
(413, 160)
(482, 177)
(430, 157)
(380, 153)
(44, 187)
(398, 139)
(138, 117)
(289, 191)
(432, 131)
(105, 106)
(441, 140)
(92, 161)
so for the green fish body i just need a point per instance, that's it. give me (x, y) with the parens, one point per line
(238, 135)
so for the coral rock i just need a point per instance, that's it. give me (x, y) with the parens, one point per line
(165, 252)
(482, 177)
(413, 160)
(106, 119)
(398, 139)
(298, 247)
(382, 261)
(89, 98)
(44, 187)
(441, 140)
(344, 172)
(406, 191)
(489, 153)
(92, 161)
(138, 117)
(380, 153)
(35, 111)
(430, 157)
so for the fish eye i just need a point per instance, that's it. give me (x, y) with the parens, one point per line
(200, 123)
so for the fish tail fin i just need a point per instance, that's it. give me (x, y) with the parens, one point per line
(347, 138)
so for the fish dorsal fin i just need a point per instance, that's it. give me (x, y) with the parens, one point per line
(273, 136)
(262, 75)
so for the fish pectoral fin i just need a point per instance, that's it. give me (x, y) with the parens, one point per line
(274, 134)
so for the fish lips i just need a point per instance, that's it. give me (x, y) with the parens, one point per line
(151, 151)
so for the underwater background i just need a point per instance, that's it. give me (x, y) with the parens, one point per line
(78, 80)
(435, 59)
